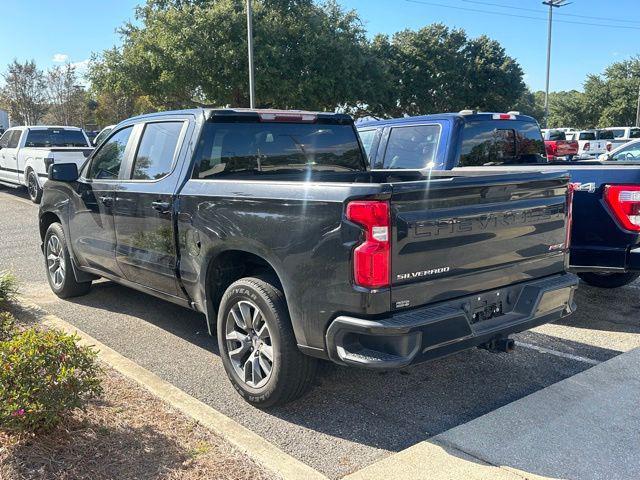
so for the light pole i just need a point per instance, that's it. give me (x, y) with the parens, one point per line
(552, 4)
(252, 91)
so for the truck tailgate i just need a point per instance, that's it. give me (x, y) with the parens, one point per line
(456, 235)
(70, 155)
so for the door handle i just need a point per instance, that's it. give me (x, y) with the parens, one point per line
(106, 201)
(162, 207)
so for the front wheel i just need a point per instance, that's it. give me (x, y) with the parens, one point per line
(257, 344)
(58, 262)
(33, 186)
(608, 280)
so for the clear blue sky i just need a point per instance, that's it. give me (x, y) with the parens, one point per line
(69, 30)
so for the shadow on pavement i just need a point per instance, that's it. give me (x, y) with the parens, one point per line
(386, 410)
(613, 310)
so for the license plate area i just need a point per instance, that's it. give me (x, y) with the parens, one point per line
(486, 307)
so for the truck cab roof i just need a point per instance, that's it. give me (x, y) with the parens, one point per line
(273, 115)
(464, 115)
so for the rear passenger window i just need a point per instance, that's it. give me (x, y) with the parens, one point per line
(157, 149)
(412, 147)
(107, 161)
(366, 137)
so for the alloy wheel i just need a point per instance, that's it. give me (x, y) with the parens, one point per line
(32, 185)
(55, 261)
(248, 342)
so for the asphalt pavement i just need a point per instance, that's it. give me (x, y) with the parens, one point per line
(352, 417)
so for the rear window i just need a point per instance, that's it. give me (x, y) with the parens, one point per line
(557, 135)
(605, 135)
(486, 143)
(634, 133)
(55, 137)
(587, 136)
(412, 147)
(618, 133)
(257, 149)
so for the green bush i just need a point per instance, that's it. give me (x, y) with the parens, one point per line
(44, 376)
(8, 286)
(7, 326)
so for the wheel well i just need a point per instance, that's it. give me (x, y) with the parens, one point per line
(230, 266)
(45, 222)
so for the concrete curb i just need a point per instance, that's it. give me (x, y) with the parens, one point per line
(267, 454)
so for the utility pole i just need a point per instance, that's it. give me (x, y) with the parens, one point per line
(552, 4)
(638, 109)
(252, 88)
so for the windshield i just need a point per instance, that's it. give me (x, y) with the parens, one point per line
(231, 149)
(501, 142)
(55, 137)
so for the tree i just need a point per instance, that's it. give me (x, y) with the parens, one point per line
(67, 100)
(186, 53)
(24, 92)
(437, 69)
(614, 95)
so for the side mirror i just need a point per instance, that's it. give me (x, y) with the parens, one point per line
(63, 172)
(603, 157)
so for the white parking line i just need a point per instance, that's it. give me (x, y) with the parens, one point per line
(558, 354)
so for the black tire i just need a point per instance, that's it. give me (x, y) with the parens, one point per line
(33, 186)
(608, 280)
(292, 372)
(66, 285)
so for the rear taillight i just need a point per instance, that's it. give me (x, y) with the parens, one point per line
(372, 258)
(624, 202)
(587, 146)
(570, 193)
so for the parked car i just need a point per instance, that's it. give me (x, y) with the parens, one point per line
(104, 133)
(270, 223)
(622, 135)
(557, 146)
(605, 237)
(27, 152)
(627, 152)
(591, 143)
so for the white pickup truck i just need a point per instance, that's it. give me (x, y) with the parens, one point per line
(27, 152)
(622, 135)
(591, 143)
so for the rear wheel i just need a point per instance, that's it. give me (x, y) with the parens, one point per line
(58, 262)
(608, 280)
(258, 346)
(33, 186)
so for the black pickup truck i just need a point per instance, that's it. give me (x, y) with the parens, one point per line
(272, 225)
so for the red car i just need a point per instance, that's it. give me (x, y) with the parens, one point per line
(557, 146)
